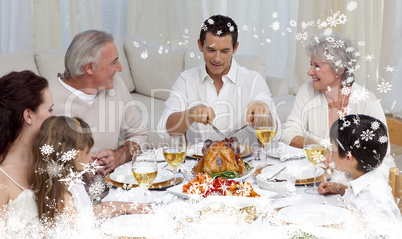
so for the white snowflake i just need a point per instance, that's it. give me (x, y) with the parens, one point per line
(274, 15)
(54, 169)
(96, 188)
(210, 21)
(352, 70)
(275, 25)
(328, 31)
(369, 57)
(351, 6)
(367, 135)
(361, 43)
(346, 90)
(317, 157)
(349, 49)
(330, 39)
(231, 28)
(204, 27)
(383, 139)
(349, 154)
(69, 155)
(136, 44)
(329, 88)
(342, 19)
(375, 125)
(292, 23)
(144, 54)
(384, 87)
(356, 120)
(346, 123)
(219, 32)
(329, 56)
(73, 178)
(338, 44)
(326, 143)
(92, 167)
(389, 69)
(245, 28)
(191, 54)
(332, 21)
(46, 149)
(299, 36)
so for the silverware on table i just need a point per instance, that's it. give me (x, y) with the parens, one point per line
(270, 178)
(218, 131)
(235, 131)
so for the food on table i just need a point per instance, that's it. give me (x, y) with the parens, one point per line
(221, 156)
(203, 185)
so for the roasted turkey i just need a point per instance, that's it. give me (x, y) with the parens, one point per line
(221, 156)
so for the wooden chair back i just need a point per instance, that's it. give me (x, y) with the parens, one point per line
(394, 131)
(395, 181)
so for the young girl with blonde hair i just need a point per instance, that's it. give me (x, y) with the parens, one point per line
(61, 152)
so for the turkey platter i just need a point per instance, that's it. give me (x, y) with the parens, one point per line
(221, 156)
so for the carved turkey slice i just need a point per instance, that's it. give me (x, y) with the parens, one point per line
(221, 156)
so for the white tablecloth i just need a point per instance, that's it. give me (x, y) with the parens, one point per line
(173, 213)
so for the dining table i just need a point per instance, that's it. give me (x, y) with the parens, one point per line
(296, 214)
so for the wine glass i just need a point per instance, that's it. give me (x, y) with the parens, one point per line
(174, 151)
(265, 129)
(315, 152)
(145, 168)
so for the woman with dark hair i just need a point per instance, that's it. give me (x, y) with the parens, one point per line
(25, 102)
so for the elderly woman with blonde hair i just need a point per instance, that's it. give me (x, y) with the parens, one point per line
(332, 93)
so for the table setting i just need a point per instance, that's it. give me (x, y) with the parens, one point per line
(185, 206)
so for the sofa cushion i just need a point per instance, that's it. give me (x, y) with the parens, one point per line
(125, 73)
(17, 61)
(50, 63)
(154, 68)
(151, 110)
(195, 58)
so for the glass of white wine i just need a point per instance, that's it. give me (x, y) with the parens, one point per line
(144, 168)
(265, 129)
(315, 153)
(175, 151)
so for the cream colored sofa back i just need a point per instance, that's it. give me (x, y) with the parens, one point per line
(149, 71)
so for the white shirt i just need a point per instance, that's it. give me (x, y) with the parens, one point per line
(89, 99)
(310, 113)
(240, 87)
(371, 196)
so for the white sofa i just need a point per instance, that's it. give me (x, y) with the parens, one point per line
(149, 71)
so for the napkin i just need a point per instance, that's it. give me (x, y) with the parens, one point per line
(286, 152)
(159, 155)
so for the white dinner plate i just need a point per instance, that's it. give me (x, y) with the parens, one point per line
(139, 225)
(197, 149)
(125, 175)
(301, 171)
(272, 152)
(178, 191)
(314, 214)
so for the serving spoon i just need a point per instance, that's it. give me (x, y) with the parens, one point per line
(273, 176)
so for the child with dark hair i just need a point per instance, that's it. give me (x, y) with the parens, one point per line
(359, 144)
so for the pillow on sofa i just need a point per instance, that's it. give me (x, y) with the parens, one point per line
(50, 63)
(195, 58)
(154, 68)
(17, 61)
(125, 73)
